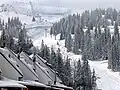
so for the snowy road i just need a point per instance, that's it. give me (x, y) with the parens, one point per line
(108, 80)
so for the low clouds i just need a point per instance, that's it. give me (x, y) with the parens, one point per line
(75, 4)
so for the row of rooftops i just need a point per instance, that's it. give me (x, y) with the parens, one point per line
(28, 71)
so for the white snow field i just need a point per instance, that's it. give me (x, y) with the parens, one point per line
(107, 80)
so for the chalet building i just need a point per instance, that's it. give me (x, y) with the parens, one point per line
(45, 73)
(32, 73)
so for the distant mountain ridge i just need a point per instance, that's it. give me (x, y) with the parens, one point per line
(38, 9)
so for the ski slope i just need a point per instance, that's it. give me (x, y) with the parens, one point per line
(107, 80)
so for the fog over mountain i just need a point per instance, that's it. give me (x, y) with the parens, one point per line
(75, 4)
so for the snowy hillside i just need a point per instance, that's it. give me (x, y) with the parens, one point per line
(25, 19)
(38, 9)
(50, 41)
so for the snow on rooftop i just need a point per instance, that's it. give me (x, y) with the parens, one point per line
(36, 83)
(62, 86)
(28, 66)
(11, 84)
(6, 53)
(22, 83)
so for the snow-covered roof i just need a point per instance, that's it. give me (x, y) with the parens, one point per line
(44, 66)
(36, 83)
(11, 84)
(55, 88)
(30, 83)
(25, 82)
(9, 66)
(44, 77)
(58, 85)
(26, 68)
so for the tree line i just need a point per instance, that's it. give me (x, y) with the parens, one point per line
(80, 76)
(94, 33)
(14, 36)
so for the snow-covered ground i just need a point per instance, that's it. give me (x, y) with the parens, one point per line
(24, 18)
(50, 41)
(107, 80)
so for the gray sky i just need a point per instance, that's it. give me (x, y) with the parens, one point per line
(76, 4)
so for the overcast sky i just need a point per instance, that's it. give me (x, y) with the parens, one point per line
(75, 3)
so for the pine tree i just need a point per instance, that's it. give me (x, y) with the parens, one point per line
(68, 75)
(53, 59)
(60, 66)
(10, 43)
(3, 39)
(21, 40)
(88, 44)
(42, 49)
(78, 76)
(93, 80)
(85, 75)
(46, 53)
(116, 30)
(109, 53)
(115, 49)
(61, 35)
(113, 66)
(76, 40)
(68, 42)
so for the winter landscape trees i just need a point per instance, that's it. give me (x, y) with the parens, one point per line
(94, 34)
(14, 36)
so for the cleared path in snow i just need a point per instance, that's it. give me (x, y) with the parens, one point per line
(108, 80)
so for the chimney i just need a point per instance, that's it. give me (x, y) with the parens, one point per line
(55, 78)
(34, 62)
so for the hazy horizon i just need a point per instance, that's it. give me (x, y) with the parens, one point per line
(75, 4)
